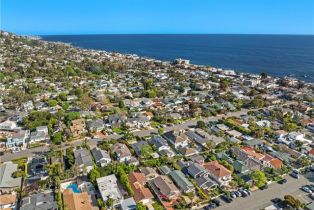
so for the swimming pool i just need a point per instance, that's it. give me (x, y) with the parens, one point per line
(74, 187)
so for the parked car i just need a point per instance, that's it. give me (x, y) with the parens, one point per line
(264, 187)
(306, 189)
(311, 196)
(233, 195)
(226, 198)
(244, 193)
(248, 191)
(294, 175)
(237, 193)
(216, 201)
(276, 200)
(311, 187)
(282, 181)
(210, 206)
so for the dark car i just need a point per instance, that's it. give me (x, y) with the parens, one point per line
(283, 181)
(264, 187)
(237, 193)
(210, 206)
(226, 198)
(216, 201)
(276, 200)
(243, 193)
(294, 175)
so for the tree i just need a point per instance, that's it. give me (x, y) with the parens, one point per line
(121, 104)
(263, 75)
(161, 131)
(200, 124)
(258, 102)
(109, 202)
(291, 201)
(259, 178)
(63, 96)
(146, 151)
(57, 138)
(93, 175)
(86, 102)
(140, 206)
(70, 157)
(224, 84)
(1, 76)
(52, 103)
(151, 94)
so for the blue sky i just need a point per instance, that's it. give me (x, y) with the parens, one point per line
(157, 16)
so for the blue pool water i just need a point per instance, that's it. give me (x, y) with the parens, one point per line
(74, 188)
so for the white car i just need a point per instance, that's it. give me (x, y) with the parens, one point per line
(306, 189)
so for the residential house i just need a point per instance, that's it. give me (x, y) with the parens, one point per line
(95, 126)
(187, 151)
(234, 133)
(128, 204)
(164, 188)
(139, 147)
(8, 201)
(77, 201)
(137, 122)
(37, 167)
(18, 139)
(8, 125)
(164, 169)
(311, 154)
(181, 181)
(41, 134)
(83, 160)
(141, 193)
(205, 183)
(196, 170)
(121, 152)
(28, 106)
(199, 136)
(197, 159)
(218, 172)
(108, 188)
(116, 121)
(162, 145)
(149, 173)
(159, 142)
(101, 157)
(177, 138)
(7, 182)
(77, 127)
(38, 201)
(240, 167)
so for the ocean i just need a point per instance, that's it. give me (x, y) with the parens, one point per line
(277, 55)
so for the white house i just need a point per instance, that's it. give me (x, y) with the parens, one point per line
(108, 188)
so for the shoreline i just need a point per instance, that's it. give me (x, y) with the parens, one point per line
(240, 72)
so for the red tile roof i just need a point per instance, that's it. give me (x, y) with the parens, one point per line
(217, 169)
(276, 163)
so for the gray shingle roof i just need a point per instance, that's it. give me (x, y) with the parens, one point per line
(181, 181)
(6, 179)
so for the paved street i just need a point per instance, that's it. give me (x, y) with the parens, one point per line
(261, 198)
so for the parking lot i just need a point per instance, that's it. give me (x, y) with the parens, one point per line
(262, 198)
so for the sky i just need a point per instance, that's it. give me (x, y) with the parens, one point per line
(43, 17)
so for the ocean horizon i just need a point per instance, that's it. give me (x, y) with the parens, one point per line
(277, 55)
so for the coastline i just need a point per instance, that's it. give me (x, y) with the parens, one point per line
(244, 53)
(241, 72)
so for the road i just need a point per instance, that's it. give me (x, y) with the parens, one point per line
(261, 198)
(141, 133)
